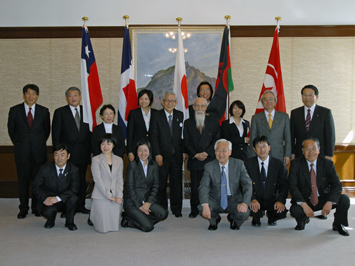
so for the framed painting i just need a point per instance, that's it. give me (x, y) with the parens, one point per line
(154, 56)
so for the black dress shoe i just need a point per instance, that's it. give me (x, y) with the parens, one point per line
(214, 227)
(124, 222)
(22, 215)
(300, 226)
(36, 213)
(71, 227)
(62, 215)
(256, 222)
(49, 224)
(322, 217)
(178, 215)
(272, 223)
(84, 211)
(90, 222)
(233, 224)
(341, 229)
(193, 215)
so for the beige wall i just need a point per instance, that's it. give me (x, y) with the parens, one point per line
(54, 65)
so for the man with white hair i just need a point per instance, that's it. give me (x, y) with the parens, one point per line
(225, 188)
(200, 134)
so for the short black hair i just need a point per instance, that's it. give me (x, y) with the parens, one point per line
(109, 138)
(311, 138)
(149, 94)
(72, 89)
(33, 87)
(204, 83)
(260, 140)
(240, 105)
(107, 106)
(60, 147)
(144, 142)
(312, 87)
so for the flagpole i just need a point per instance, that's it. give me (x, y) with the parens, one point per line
(126, 20)
(278, 23)
(227, 18)
(85, 19)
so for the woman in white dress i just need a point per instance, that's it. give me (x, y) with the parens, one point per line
(107, 170)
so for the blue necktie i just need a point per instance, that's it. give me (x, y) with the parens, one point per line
(263, 174)
(224, 197)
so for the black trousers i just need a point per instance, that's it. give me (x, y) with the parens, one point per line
(232, 209)
(172, 170)
(340, 215)
(69, 207)
(26, 173)
(272, 214)
(138, 219)
(82, 185)
(195, 176)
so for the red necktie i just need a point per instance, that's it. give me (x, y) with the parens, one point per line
(308, 119)
(314, 194)
(30, 118)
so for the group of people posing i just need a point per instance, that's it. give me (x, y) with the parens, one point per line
(229, 172)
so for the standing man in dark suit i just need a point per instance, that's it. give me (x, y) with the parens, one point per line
(275, 126)
(225, 188)
(29, 127)
(200, 134)
(312, 120)
(68, 128)
(56, 186)
(314, 185)
(167, 145)
(270, 186)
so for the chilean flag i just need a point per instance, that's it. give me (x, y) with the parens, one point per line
(128, 99)
(273, 77)
(180, 84)
(90, 83)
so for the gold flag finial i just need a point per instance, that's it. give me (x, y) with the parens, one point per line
(85, 19)
(278, 19)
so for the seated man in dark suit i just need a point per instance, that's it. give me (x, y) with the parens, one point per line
(56, 186)
(225, 187)
(314, 185)
(270, 187)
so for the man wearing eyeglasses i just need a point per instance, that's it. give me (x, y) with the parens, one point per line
(200, 134)
(167, 146)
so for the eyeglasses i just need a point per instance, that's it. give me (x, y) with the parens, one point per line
(169, 101)
(197, 106)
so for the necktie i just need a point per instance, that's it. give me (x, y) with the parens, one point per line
(224, 197)
(77, 119)
(30, 118)
(270, 121)
(263, 174)
(200, 129)
(308, 119)
(60, 174)
(314, 194)
(171, 123)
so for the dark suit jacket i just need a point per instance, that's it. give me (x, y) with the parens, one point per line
(276, 188)
(47, 184)
(321, 127)
(26, 139)
(138, 187)
(64, 130)
(239, 182)
(195, 142)
(98, 133)
(240, 149)
(279, 135)
(328, 183)
(136, 129)
(163, 143)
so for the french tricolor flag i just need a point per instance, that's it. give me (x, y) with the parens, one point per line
(128, 99)
(180, 83)
(90, 83)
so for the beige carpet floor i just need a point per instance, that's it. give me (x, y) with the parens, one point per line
(175, 241)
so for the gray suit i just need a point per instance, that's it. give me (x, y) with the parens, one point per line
(240, 187)
(279, 135)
